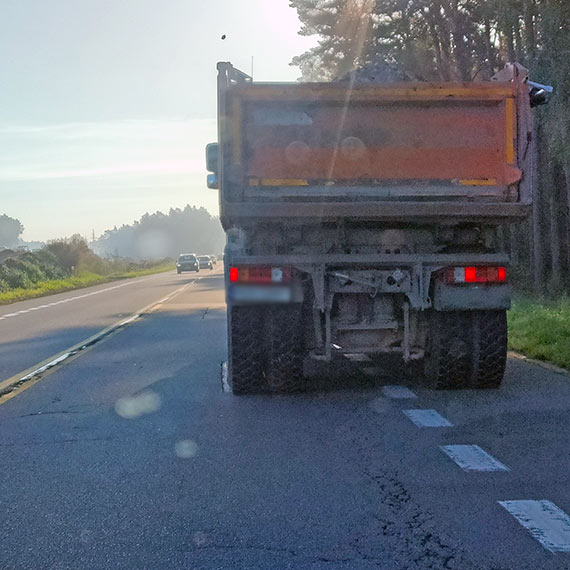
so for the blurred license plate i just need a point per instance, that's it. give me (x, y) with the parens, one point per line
(261, 294)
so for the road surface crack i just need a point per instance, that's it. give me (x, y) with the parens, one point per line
(55, 442)
(409, 530)
(56, 412)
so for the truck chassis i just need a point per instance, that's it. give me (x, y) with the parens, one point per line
(318, 264)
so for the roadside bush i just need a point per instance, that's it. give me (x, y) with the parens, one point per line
(48, 263)
(63, 265)
(28, 269)
(32, 270)
(14, 276)
(73, 253)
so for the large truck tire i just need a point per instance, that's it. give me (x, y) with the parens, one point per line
(466, 349)
(490, 336)
(245, 352)
(285, 358)
(447, 359)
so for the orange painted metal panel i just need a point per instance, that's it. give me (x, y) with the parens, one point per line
(377, 141)
(382, 164)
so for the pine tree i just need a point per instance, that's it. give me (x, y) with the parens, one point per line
(465, 40)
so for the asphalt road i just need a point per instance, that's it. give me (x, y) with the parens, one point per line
(33, 330)
(132, 456)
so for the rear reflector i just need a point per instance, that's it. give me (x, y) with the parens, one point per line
(263, 275)
(479, 274)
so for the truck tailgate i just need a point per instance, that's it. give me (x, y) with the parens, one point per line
(389, 140)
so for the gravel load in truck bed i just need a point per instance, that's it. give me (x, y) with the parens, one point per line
(379, 72)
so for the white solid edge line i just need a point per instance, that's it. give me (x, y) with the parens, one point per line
(546, 522)
(129, 320)
(45, 367)
(473, 458)
(62, 301)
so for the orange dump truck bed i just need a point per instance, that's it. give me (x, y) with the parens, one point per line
(387, 150)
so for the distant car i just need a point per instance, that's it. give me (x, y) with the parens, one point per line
(187, 262)
(205, 262)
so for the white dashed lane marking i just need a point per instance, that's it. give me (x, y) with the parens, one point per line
(24, 311)
(398, 392)
(472, 458)
(545, 522)
(427, 418)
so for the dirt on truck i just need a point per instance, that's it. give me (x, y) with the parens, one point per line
(363, 218)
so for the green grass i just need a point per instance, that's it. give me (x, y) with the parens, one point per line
(84, 279)
(541, 330)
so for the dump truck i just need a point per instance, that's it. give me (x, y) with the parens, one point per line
(364, 219)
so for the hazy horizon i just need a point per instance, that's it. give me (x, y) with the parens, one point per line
(106, 107)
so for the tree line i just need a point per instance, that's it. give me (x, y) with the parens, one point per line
(159, 235)
(10, 231)
(153, 237)
(469, 40)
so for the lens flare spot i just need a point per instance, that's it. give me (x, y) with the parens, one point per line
(297, 152)
(135, 406)
(352, 148)
(186, 448)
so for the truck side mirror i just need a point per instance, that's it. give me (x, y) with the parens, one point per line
(212, 181)
(212, 157)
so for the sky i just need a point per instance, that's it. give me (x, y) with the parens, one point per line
(106, 105)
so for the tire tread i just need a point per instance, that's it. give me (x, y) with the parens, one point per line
(246, 366)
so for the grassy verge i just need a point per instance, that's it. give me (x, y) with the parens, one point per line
(84, 279)
(541, 330)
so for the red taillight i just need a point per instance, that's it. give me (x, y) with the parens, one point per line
(262, 275)
(480, 274)
(470, 275)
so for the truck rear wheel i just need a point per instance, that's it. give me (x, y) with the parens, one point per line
(490, 354)
(285, 334)
(466, 349)
(447, 358)
(245, 350)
